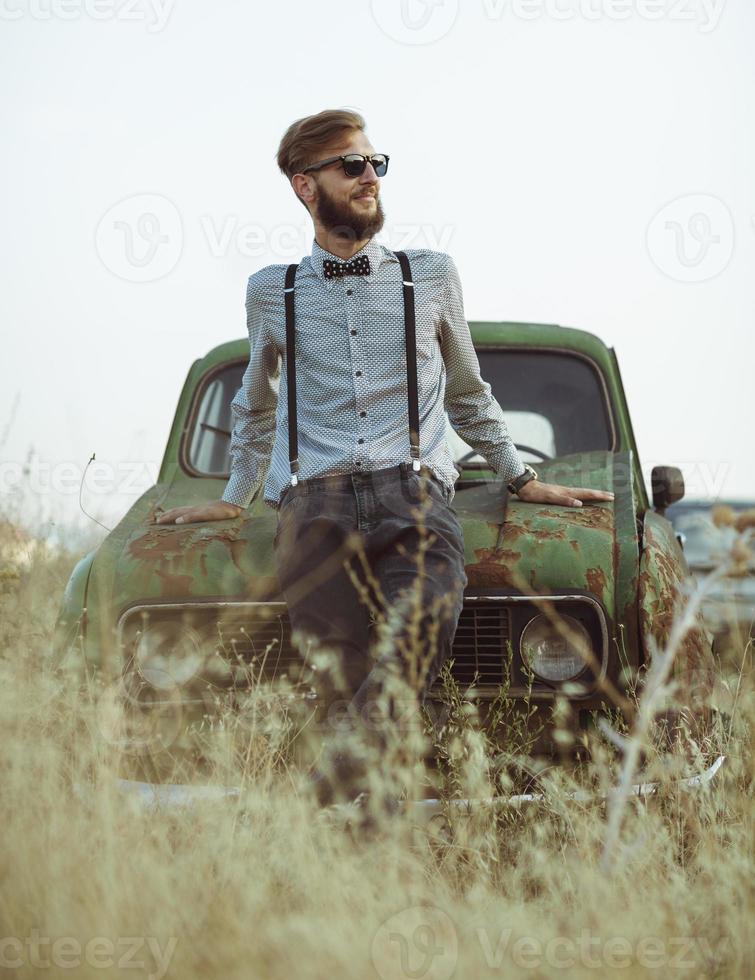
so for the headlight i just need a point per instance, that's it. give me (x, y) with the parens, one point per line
(553, 654)
(169, 654)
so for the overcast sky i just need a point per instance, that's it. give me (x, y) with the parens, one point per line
(586, 162)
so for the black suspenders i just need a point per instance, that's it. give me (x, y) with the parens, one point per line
(411, 357)
(293, 437)
(411, 364)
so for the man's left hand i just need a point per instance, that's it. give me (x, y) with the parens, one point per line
(536, 492)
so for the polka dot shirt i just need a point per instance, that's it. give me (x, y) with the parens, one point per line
(352, 400)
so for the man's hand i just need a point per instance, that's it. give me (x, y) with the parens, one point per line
(216, 510)
(536, 492)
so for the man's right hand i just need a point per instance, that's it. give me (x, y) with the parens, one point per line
(216, 510)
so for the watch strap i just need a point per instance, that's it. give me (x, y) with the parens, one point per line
(516, 485)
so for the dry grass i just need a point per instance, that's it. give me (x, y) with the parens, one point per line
(262, 886)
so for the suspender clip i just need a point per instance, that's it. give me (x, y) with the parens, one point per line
(415, 465)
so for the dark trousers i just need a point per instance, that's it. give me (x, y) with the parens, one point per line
(372, 562)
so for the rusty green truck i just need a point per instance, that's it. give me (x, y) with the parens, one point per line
(179, 608)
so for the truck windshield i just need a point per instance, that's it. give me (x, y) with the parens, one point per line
(553, 401)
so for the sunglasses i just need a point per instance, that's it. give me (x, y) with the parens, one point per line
(354, 164)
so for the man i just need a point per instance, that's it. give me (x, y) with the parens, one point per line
(363, 480)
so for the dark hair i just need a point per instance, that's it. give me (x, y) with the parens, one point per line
(305, 139)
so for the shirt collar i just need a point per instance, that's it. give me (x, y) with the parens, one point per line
(373, 250)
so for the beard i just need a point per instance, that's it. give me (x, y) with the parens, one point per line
(345, 221)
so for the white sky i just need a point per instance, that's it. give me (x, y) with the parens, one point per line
(537, 141)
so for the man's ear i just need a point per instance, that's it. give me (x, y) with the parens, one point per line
(304, 188)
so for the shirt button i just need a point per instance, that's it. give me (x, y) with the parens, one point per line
(353, 333)
(358, 463)
(360, 440)
(363, 414)
(349, 292)
(359, 374)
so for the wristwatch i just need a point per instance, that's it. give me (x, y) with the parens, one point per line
(516, 485)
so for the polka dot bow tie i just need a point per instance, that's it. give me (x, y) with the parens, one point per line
(354, 267)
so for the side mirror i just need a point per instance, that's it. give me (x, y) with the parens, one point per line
(668, 487)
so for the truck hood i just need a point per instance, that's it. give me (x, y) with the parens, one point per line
(531, 548)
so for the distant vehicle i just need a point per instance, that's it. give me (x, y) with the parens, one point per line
(561, 602)
(730, 609)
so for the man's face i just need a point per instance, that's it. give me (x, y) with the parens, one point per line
(349, 207)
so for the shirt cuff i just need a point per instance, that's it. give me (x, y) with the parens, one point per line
(238, 493)
(511, 466)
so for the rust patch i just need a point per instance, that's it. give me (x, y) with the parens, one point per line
(597, 580)
(168, 543)
(490, 573)
(657, 615)
(513, 532)
(497, 555)
(237, 549)
(565, 519)
(600, 518)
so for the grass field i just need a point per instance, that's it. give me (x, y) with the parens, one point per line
(264, 887)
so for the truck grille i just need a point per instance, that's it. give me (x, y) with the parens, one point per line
(252, 643)
(479, 648)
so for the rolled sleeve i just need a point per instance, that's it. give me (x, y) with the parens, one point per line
(253, 408)
(472, 409)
